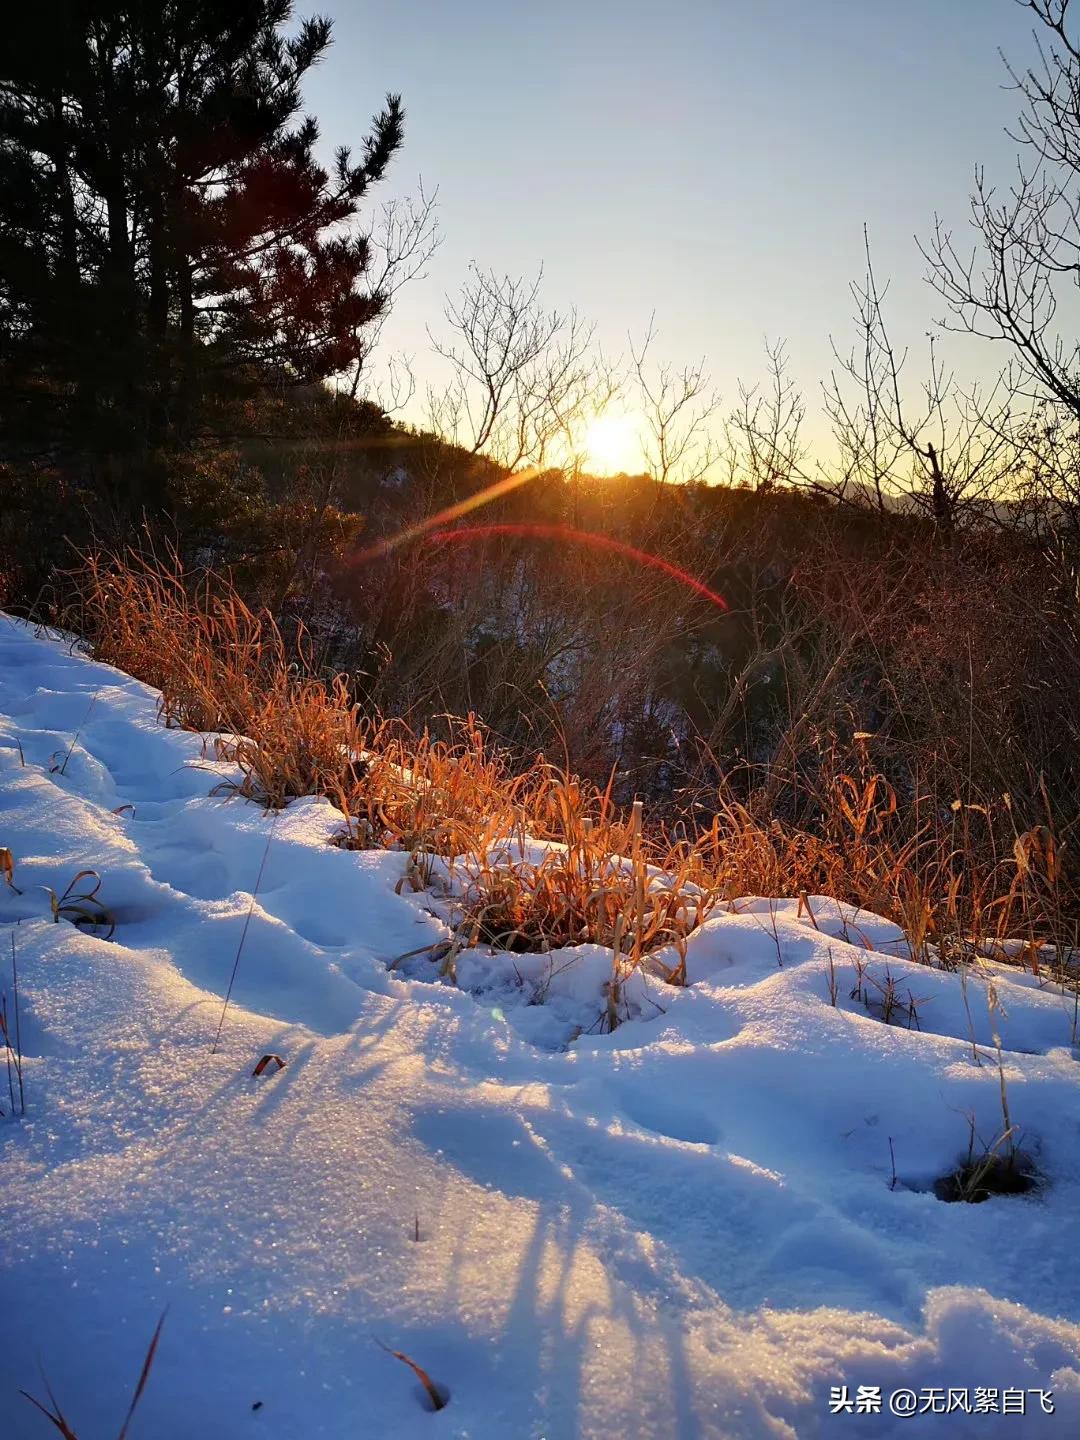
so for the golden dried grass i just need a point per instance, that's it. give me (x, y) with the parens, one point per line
(603, 876)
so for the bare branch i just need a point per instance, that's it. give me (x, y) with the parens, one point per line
(678, 406)
(406, 239)
(520, 374)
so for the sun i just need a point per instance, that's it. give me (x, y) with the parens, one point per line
(612, 445)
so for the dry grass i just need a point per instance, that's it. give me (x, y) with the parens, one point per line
(56, 1417)
(598, 880)
(429, 797)
(605, 875)
(79, 903)
(221, 668)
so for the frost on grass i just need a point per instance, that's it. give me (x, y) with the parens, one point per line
(692, 1226)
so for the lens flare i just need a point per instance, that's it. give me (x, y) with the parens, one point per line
(566, 533)
(452, 512)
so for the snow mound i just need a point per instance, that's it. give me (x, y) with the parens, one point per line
(693, 1227)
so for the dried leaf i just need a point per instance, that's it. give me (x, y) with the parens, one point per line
(434, 1394)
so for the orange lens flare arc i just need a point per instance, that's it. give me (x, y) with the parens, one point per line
(584, 537)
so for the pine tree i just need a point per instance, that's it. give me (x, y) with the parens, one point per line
(167, 234)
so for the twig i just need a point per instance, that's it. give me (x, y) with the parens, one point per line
(18, 1028)
(18, 1025)
(75, 738)
(4, 1028)
(243, 933)
(7, 1056)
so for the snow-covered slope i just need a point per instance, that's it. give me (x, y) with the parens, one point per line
(687, 1228)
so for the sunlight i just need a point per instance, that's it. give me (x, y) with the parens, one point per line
(612, 445)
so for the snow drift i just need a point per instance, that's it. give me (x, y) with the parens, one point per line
(695, 1226)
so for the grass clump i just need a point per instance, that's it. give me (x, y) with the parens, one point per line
(80, 904)
(460, 806)
(430, 797)
(222, 668)
(1000, 1168)
(596, 879)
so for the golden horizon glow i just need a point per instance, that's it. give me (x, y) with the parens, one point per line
(612, 445)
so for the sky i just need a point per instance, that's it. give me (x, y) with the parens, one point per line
(708, 161)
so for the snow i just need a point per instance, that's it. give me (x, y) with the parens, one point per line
(686, 1228)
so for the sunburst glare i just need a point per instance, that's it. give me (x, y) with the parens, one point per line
(612, 445)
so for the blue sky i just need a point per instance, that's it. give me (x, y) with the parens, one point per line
(710, 160)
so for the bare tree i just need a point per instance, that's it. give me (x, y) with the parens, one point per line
(520, 374)
(764, 435)
(941, 450)
(1026, 260)
(678, 406)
